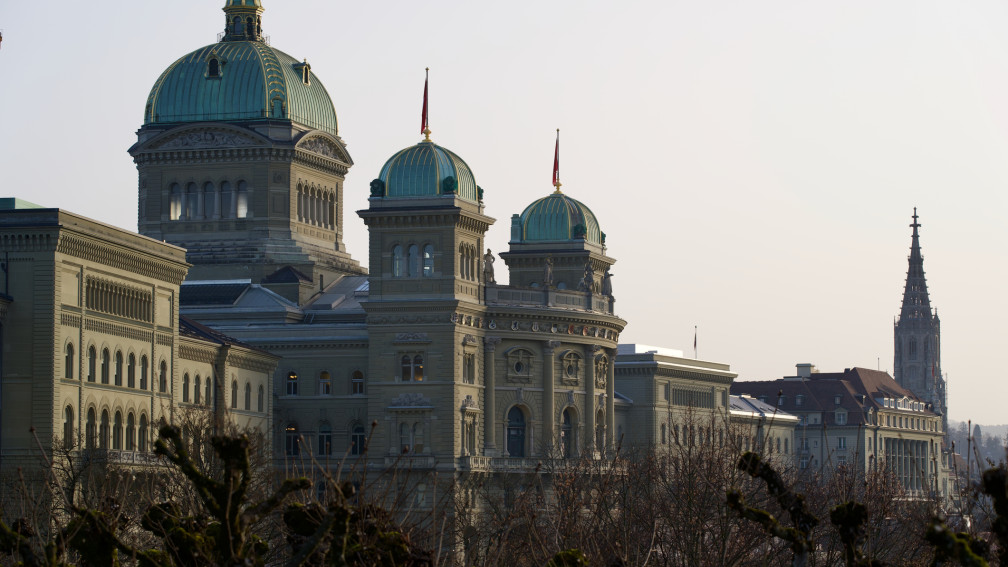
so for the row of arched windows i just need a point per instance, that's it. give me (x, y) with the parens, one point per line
(121, 371)
(260, 400)
(209, 201)
(468, 262)
(117, 299)
(325, 383)
(407, 262)
(113, 433)
(317, 206)
(295, 441)
(199, 386)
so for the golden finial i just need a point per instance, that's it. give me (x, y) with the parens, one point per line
(423, 124)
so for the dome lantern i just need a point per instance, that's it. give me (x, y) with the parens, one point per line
(243, 20)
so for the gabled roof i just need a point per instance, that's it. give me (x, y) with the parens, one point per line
(286, 274)
(857, 390)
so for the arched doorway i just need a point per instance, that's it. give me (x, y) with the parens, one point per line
(516, 432)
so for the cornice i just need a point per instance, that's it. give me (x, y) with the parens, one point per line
(120, 257)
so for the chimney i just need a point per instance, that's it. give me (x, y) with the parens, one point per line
(806, 369)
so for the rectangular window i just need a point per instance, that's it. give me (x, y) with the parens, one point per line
(841, 442)
(841, 460)
(803, 463)
(841, 418)
(667, 392)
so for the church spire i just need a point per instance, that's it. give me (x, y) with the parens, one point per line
(916, 303)
(243, 20)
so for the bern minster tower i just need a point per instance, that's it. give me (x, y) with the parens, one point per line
(917, 334)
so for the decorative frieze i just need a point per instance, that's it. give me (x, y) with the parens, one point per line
(117, 330)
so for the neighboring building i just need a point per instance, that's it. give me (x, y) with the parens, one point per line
(94, 354)
(859, 418)
(666, 392)
(764, 428)
(917, 337)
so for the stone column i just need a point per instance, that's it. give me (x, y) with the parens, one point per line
(489, 396)
(589, 437)
(610, 410)
(549, 406)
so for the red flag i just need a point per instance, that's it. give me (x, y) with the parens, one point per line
(423, 119)
(556, 161)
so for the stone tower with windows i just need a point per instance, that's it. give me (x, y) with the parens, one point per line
(240, 162)
(917, 336)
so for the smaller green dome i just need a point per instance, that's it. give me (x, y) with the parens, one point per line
(557, 218)
(426, 170)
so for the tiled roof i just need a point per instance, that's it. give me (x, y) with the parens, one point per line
(190, 328)
(191, 295)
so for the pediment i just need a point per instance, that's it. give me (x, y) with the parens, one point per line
(325, 146)
(204, 137)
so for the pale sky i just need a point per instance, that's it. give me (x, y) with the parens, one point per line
(754, 164)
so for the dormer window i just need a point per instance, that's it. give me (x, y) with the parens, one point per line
(213, 68)
(305, 69)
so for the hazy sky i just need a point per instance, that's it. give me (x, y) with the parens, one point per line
(754, 164)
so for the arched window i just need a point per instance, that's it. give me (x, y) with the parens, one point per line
(786, 444)
(242, 202)
(292, 441)
(185, 387)
(192, 202)
(144, 367)
(357, 383)
(90, 430)
(261, 403)
(248, 396)
(397, 262)
(913, 348)
(418, 374)
(104, 431)
(117, 431)
(358, 439)
(234, 394)
(210, 201)
(324, 384)
(92, 361)
(68, 362)
(405, 440)
(413, 260)
(516, 432)
(118, 368)
(325, 440)
(130, 432)
(163, 378)
(208, 398)
(105, 366)
(142, 441)
(292, 383)
(418, 437)
(196, 390)
(567, 442)
(213, 68)
(176, 201)
(664, 439)
(600, 430)
(428, 261)
(68, 427)
(227, 206)
(131, 371)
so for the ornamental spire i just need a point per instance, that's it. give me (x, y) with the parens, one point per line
(423, 117)
(916, 303)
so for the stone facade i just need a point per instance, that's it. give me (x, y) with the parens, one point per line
(93, 357)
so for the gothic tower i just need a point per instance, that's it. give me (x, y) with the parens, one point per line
(917, 336)
(240, 162)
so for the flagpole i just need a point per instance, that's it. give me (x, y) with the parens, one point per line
(695, 357)
(556, 163)
(423, 119)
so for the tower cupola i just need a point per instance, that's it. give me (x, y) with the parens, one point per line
(243, 20)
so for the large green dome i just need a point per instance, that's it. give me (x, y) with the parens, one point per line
(558, 218)
(426, 170)
(249, 81)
